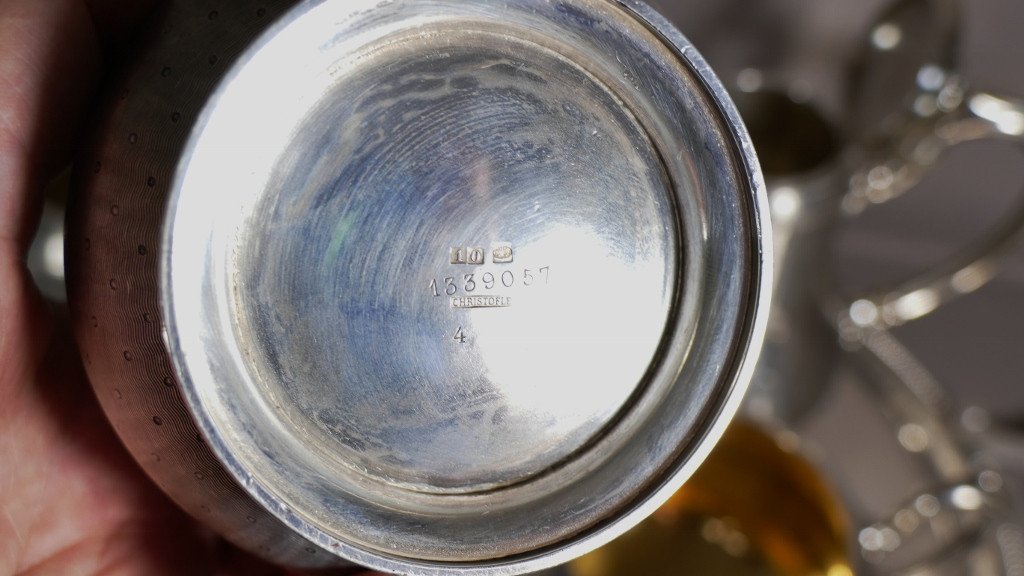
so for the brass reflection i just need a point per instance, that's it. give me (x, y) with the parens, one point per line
(752, 509)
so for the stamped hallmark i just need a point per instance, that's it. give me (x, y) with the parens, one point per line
(468, 284)
(469, 256)
(501, 253)
(481, 302)
(475, 288)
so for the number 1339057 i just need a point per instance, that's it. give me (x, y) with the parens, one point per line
(487, 281)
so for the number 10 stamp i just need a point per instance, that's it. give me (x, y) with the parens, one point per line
(500, 254)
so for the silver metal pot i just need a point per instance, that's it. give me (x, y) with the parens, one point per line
(907, 105)
(431, 286)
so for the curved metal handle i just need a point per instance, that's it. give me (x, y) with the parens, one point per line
(943, 114)
(943, 117)
(965, 272)
(964, 511)
(924, 529)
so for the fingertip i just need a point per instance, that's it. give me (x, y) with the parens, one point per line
(48, 60)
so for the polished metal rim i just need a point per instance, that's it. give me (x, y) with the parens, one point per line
(625, 456)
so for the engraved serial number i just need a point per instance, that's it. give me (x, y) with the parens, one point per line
(469, 284)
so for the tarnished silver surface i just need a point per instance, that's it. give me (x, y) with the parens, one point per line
(445, 286)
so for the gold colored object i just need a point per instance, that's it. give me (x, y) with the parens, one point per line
(754, 508)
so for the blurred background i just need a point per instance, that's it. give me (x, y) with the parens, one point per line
(975, 345)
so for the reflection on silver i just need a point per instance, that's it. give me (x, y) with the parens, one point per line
(864, 313)
(900, 131)
(46, 255)
(446, 288)
(945, 113)
(879, 539)
(903, 129)
(887, 36)
(1011, 543)
(53, 256)
(1007, 116)
(913, 437)
(799, 150)
(951, 527)
(750, 80)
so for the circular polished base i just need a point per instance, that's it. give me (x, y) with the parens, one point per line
(433, 280)
(463, 286)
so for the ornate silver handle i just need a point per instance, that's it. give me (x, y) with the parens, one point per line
(944, 114)
(960, 520)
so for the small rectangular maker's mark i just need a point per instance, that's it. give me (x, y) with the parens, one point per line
(481, 302)
(501, 253)
(470, 255)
